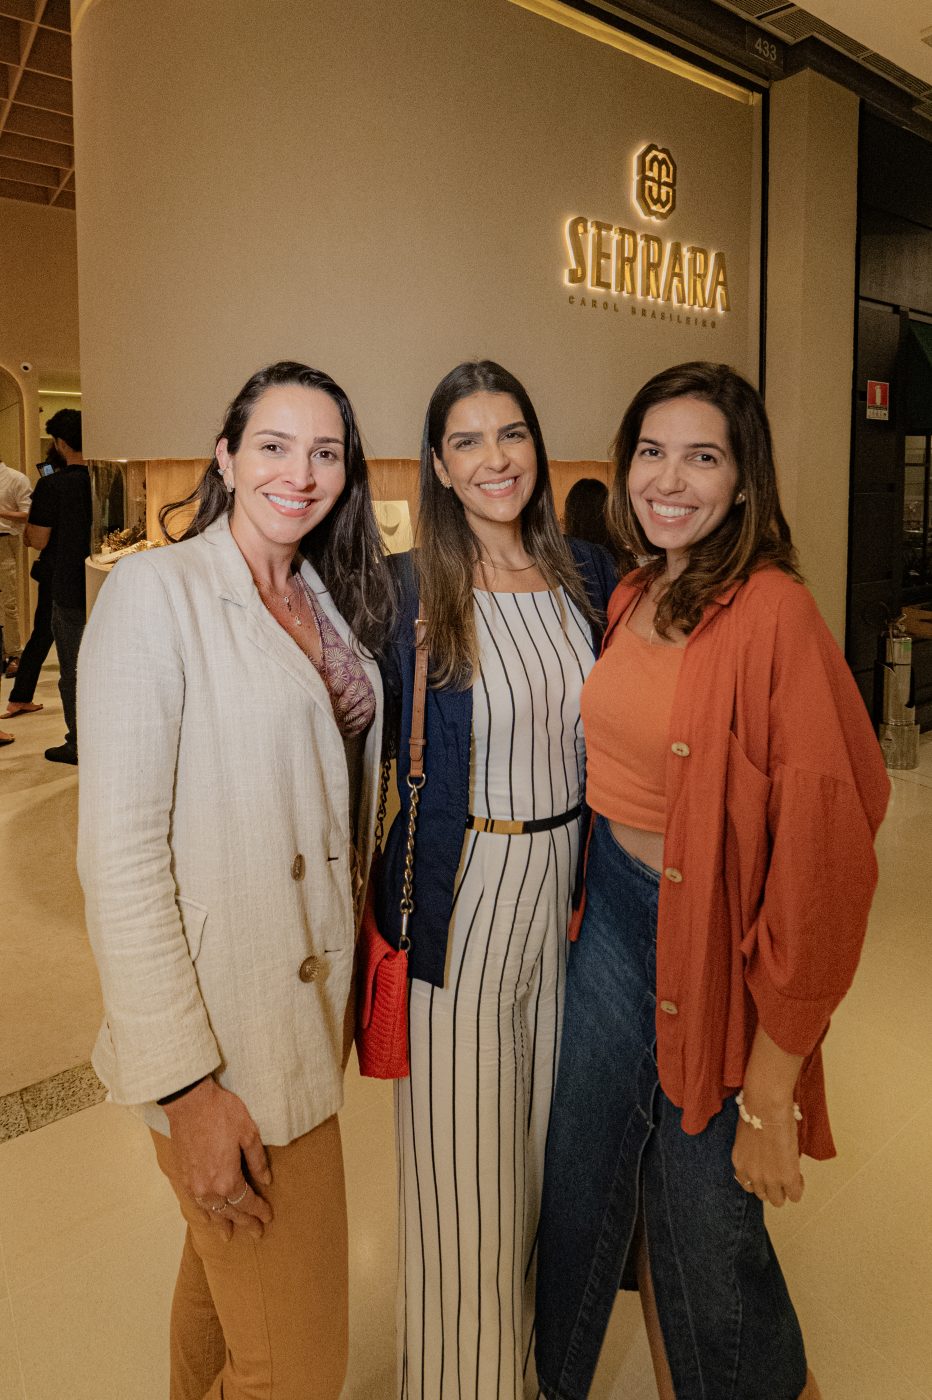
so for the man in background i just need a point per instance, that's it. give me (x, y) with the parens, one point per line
(15, 497)
(65, 511)
(21, 698)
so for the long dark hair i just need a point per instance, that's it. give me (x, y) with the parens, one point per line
(447, 549)
(345, 548)
(584, 511)
(752, 536)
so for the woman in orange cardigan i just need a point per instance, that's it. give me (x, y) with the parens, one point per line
(736, 786)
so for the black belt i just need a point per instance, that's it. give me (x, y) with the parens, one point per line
(511, 828)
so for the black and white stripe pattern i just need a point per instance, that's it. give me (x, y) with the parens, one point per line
(472, 1118)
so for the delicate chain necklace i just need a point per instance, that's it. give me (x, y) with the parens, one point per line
(506, 568)
(290, 601)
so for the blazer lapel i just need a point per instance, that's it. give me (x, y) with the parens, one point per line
(235, 586)
(326, 604)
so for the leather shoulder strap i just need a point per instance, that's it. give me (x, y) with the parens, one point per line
(419, 702)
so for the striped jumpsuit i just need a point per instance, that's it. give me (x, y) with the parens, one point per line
(472, 1118)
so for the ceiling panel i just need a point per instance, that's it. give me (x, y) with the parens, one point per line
(28, 148)
(51, 53)
(18, 9)
(51, 94)
(36, 134)
(892, 30)
(32, 121)
(32, 194)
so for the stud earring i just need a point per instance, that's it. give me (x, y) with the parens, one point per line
(740, 499)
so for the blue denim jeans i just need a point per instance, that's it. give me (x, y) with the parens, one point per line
(617, 1154)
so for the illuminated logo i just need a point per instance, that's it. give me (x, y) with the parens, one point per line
(624, 261)
(655, 182)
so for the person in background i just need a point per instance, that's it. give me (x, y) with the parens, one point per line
(513, 615)
(15, 496)
(65, 510)
(737, 786)
(230, 712)
(21, 698)
(584, 512)
(584, 518)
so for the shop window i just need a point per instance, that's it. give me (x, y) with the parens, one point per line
(917, 526)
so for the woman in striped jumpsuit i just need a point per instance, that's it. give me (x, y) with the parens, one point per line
(512, 614)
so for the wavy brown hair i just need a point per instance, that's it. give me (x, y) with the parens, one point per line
(753, 535)
(448, 551)
(345, 547)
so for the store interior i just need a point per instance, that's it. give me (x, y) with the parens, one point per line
(830, 257)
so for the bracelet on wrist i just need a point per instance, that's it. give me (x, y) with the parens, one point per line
(757, 1123)
(180, 1093)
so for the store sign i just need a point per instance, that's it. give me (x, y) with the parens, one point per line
(605, 257)
(878, 399)
(655, 188)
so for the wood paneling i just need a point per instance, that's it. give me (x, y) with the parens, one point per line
(395, 479)
(170, 480)
(563, 475)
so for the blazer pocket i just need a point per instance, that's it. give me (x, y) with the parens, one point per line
(193, 919)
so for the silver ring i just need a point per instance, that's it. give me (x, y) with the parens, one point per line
(237, 1199)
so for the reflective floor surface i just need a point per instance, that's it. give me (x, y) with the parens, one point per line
(90, 1236)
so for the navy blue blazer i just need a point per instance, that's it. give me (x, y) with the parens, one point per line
(444, 804)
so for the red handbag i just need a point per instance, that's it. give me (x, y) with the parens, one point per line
(382, 970)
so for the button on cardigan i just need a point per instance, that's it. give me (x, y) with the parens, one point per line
(775, 790)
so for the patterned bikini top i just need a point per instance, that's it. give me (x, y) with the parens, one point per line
(342, 672)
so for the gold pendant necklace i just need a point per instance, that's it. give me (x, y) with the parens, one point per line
(290, 601)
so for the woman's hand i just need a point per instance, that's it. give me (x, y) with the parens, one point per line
(212, 1133)
(766, 1160)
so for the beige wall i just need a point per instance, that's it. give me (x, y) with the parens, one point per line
(11, 446)
(38, 305)
(812, 221)
(381, 189)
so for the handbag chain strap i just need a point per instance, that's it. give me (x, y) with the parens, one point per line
(416, 774)
(385, 777)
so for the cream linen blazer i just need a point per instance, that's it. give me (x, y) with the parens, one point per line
(214, 839)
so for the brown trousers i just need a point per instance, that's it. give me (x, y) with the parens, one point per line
(266, 1319)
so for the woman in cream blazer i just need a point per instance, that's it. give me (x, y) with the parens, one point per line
(226, 824)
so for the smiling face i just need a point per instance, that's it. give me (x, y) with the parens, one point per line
(289, 469)
(682, 480)
(488, 458)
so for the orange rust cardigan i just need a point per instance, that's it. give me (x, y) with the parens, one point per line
(775, 790)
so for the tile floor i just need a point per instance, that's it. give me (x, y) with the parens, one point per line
(45, 961)
(89, 1234)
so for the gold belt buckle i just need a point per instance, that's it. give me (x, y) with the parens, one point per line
(497, 826)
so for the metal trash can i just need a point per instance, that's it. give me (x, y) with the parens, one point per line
(899, 732)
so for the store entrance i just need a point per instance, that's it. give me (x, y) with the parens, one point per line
(916, 576)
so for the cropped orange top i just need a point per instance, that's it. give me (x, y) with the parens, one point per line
(626, 705)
